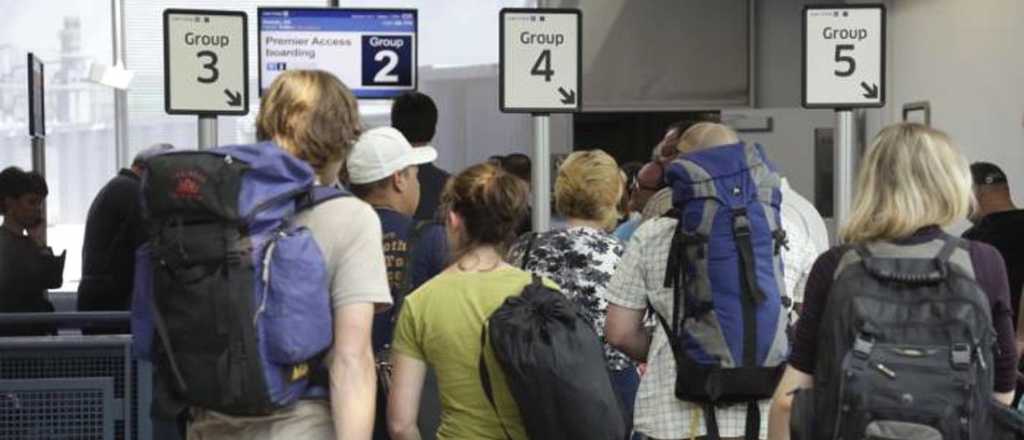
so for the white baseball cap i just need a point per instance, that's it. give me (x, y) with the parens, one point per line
(381, 152)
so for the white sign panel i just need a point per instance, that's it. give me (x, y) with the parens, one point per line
(206, 62)
(844, 56)
(540, 60)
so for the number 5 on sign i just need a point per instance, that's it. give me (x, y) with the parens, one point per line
(844, 56)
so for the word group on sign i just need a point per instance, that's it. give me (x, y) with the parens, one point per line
(193, 39)
(551, 39)
(844, 34)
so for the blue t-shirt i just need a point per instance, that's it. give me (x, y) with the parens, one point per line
(428, 258)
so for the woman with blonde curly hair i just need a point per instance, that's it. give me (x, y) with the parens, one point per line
(582, 257)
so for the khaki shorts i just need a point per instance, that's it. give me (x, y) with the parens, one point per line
(307, 419)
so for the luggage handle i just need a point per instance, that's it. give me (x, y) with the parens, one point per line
(940, 272)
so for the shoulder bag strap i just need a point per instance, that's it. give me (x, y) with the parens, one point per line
(529, 249)
(485, 380)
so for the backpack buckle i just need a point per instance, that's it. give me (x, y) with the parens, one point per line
(961, 356)
(862, 346)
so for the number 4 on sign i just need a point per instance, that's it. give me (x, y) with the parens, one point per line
(546, 72)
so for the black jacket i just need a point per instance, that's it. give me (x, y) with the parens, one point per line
(113, 230)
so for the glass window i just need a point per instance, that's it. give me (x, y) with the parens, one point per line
(147, 121)
(68, 37)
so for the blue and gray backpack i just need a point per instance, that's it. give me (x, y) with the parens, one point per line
(233, 292)
(728, 325)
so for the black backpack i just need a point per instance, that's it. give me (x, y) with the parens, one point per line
(554, 365)
(905, 349)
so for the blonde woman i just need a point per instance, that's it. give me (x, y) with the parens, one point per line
(582, 258)
(912, 183)
(313, 116)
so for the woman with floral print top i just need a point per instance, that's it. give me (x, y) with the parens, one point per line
(582, 258)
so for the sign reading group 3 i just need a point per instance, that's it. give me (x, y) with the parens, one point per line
(206, 62)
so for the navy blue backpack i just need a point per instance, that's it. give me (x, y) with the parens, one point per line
(231, 297)
(728, 325)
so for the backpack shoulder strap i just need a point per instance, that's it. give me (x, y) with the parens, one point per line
(319, 194)
(485, 380)
(529, 248)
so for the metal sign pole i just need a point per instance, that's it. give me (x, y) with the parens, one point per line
(843, 189)
(207, 132)
(541, 172)
(39, 166)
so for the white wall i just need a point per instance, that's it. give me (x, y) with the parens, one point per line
(965, 57)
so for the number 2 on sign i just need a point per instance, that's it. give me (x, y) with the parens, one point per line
(386, 74)
(211, 65)
(545, 71)
(851, 64)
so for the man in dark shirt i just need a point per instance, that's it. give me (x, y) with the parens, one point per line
(113, 229)
(27, 266)
(382, 169)
(999, 223)
(414, 114)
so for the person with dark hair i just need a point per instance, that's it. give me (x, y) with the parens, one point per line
(998, 222)
(519, 165)
(113, 229)
(414, 114)
(441, 322)
(27, 266)
(382, 168)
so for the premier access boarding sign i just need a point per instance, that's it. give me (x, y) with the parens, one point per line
(844, 56)
(540, 60)
(206, 62)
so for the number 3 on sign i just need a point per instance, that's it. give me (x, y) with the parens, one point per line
(851, 64)
(211, 65)
(546, 72)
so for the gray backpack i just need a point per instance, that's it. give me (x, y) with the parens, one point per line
(905, 348)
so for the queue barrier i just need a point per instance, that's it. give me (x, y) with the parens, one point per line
(72, 386)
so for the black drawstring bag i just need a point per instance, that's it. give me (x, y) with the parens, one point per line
(554, 365)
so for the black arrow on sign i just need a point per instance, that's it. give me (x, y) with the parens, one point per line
(872, 90)
(567, 97)
(234, 98)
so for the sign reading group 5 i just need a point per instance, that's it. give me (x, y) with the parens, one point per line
(844, 56)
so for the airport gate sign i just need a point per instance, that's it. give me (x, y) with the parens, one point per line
(206, 62)
(844, 56)
(540, 60)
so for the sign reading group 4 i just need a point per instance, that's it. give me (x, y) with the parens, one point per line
(206, 62)
(844, 56)
(540, 60)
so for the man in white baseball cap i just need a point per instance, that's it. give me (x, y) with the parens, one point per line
(382, 170)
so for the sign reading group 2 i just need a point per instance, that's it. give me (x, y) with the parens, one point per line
(844, 56)
(540, 60)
